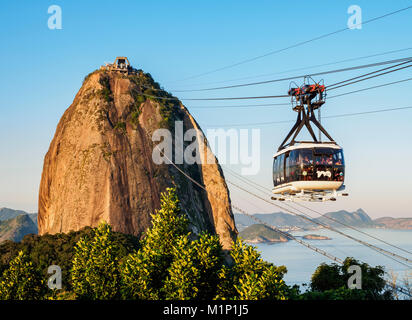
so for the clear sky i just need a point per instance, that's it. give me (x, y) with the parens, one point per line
(42, 70)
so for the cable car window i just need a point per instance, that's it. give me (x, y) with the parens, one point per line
(276, 170)
(338, 158)
(292, 168)
(323, 151)
(324, 160)
(305, 157)
(282, 168)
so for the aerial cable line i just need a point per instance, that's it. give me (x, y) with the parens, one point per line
(369, 88)
(329, 117)
(369, 65)
(360, 231)
(324, 253)
(303, 68)
(275, 229)
(386, 253)
(310, 219)
(211, 99)
(380, 250)
(331, 97)
(304, 216)
(295, 45)
(241, 106)
(284, 96)
(290, 236)
(367, 78)
(267, 190)
(367, 74)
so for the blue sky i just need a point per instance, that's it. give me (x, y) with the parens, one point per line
(42, 70)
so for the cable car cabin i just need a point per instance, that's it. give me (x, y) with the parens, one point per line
(316, 169)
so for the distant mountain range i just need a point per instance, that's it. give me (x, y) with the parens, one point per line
(358, 218)
(15, 224)
(394, 223)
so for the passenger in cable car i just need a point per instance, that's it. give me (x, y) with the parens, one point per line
(329, 161)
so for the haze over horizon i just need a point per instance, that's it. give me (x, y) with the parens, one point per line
(46, 68)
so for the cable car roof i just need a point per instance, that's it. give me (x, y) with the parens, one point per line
(308, 145)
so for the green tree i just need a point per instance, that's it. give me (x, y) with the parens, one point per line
(21, 281)
(327, 277)
(194, 272)
(251, 278)
(330, 282)
(95, 270)
(144, 272)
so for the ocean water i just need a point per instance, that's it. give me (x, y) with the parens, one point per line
(301, 262)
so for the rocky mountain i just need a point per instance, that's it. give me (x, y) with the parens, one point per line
(258, 233)
(394, 223)
(99, 164)
(16, 228)
(358, 218)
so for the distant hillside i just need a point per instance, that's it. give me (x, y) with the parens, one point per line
(16, 228)
(7, 213)
(358, 218)
(394, 223)
(278, 219)
(258, 233)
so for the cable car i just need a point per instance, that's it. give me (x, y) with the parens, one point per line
(308, 170)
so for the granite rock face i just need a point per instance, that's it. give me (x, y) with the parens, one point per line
(99, 165)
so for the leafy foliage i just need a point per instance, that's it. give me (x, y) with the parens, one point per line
(251, 278)
(194, 272)
(95, 272)
(144, 271)
(105, 92)
(21, 281)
